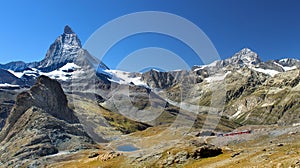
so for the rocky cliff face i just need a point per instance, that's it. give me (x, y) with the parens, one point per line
(67, 49)
(158, 79)
(62, 51)
(41, 124)
(275, 101)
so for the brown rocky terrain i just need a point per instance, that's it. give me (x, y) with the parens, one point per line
(274, 101)
(41, 124)
(266, 146)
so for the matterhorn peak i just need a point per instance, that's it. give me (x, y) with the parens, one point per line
(68, 30)
(64, 49)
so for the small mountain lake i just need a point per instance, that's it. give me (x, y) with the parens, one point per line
(127, 148)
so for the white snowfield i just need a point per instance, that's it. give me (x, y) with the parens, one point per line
(8, 85)
(122, 77)
(67, 72)
(216, 77)
(266, 71)
(20, 74)
(204, 66)
(285, 67)
(238, 113)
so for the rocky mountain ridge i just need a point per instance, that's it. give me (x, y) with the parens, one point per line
(67, 49)
(41, 124)
(70, 64)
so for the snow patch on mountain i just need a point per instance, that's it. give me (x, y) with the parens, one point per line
(29, 72)
(289, 68)
(213, 64)
(17, 74)
(66, 72)
(70, 67)
(217, 77)
(122, 77)
(8, 85)
(286, 68)
(238, 113)
(266, 71)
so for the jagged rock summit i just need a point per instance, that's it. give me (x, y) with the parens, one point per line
(244, 57)
(68, 30)
(64, 49)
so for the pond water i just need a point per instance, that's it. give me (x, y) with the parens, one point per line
(127, 148)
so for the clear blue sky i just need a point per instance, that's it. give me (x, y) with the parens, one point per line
(269, 27)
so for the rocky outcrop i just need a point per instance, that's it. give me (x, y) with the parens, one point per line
(158, 79)
(41, 124)
(45, 94)
(242, 82)
(198, 151)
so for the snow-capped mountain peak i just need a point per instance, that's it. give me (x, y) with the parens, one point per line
(244, 57)
(64, 60)
(64, 49)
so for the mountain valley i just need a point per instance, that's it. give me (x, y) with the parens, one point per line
(71, 110)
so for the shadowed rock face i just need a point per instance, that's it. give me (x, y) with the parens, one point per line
(45, 94)
(48, 95)
(68, 30)
(7, 101)
(7, 77)
(41, 124)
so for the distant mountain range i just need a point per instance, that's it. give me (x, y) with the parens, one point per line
(241, 90)
(67, 62)
(66, 57)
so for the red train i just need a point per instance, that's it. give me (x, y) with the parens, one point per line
(236, 133)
